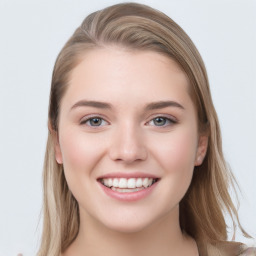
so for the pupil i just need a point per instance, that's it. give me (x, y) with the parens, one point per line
(95, 121)
(159, 121)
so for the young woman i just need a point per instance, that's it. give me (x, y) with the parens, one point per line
(134, 162)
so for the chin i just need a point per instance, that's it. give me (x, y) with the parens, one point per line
(127, 227)
(130, 223)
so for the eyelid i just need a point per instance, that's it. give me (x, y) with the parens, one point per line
(86, 118)
(171, 118)
(167, 116)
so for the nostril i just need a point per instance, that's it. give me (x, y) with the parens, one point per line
(128, 156)
(127, 146)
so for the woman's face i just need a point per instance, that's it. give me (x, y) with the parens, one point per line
(127, 120)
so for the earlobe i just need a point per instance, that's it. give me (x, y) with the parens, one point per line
(57, 150)
(201, 149)
(58, 155)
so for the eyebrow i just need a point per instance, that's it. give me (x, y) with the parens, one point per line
(163, 104)
(104, 105)
(91, 103)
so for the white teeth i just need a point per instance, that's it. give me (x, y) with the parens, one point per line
(115, 183)
(126, 190)
(139, 183)
(122, 183)
(110, 182)
(130, 183)
(145, 182)
(105, 182)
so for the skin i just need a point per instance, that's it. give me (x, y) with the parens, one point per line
(128, 140)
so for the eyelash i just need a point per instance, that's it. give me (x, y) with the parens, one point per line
(167, 121)
(170, 121)
(84, 122)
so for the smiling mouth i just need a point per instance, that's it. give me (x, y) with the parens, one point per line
(130, 185)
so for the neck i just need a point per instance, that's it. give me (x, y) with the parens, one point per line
(163, 238)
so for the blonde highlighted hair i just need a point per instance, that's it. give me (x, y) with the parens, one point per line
(139, 27)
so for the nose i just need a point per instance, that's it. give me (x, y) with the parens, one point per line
(128, 145)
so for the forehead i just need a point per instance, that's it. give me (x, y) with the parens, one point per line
(114, 73)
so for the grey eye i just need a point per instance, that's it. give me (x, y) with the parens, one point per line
(159, 121)
(96, 121)
(162, 121)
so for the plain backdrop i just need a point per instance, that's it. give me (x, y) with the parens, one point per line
(32, 34)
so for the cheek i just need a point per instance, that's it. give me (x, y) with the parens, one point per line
(176, 156)
(79, 152)
(178, 151)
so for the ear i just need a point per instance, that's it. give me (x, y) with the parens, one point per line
(201, 149)
(57, 150)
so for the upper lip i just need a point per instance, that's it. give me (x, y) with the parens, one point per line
(128, 175)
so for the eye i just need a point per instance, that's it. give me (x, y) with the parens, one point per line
(94, 121)
(161, 121)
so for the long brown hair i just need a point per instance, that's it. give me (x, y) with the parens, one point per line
(139, 27)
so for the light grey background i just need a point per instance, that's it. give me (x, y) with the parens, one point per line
(31, 35)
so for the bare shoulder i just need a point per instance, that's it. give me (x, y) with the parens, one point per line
(251, 251)
(228, 249)
(237, 249)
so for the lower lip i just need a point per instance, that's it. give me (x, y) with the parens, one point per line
(129, 196)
